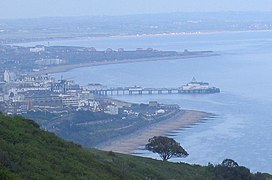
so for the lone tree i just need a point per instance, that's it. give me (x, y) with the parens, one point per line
(165, 147)
(229, 163)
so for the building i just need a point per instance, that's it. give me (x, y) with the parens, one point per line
(48, 62)
(94, 105)
(70, 101)
(6, 76)
(42, 99)
(153, 104)
(37, 49)
(9, 76)
(170, 106)
(63, 86)
(112, 110)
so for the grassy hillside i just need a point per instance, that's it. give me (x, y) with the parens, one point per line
(26, 152)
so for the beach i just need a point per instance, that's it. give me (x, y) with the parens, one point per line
(129, 143)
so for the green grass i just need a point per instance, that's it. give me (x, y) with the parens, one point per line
(27, 152)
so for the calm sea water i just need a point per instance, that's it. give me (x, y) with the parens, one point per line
(243, 71)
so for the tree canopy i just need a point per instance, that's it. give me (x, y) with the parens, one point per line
(165, 147)
(229, 163)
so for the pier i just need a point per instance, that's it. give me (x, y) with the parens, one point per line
(149, 91)
(193, 87)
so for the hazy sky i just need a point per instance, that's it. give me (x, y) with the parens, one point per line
(42, 8)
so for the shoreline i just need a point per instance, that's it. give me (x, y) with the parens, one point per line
(68, 67)
(178, 33)
(131, 142)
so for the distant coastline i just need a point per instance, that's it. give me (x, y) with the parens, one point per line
(188, 33)
(129, 143)
(46, 40)
(65, 68)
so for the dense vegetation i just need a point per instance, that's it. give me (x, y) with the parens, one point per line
(27, 152)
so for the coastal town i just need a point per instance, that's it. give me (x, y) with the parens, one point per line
(62, 106)
(42, 59)
(25, 86)
(19, 95)
(28, 89)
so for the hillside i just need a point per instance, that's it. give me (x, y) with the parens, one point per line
(27, 152)
(93, 128)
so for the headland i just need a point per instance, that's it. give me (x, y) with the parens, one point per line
(68, 67)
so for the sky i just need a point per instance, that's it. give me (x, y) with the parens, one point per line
(10, 9)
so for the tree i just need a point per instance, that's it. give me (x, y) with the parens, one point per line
(229, 163)
(229, 169)
(165, 147)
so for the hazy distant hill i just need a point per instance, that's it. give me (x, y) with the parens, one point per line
(26, 152)
(25, 30)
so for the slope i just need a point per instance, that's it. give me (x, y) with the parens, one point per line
(27, 152)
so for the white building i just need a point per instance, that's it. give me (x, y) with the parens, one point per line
(6, 76)
(160, 111)
(9, 76)
(37, 49)
(113, 110)
(56, 61)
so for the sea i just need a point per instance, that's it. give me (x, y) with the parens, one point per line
(241, 128)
